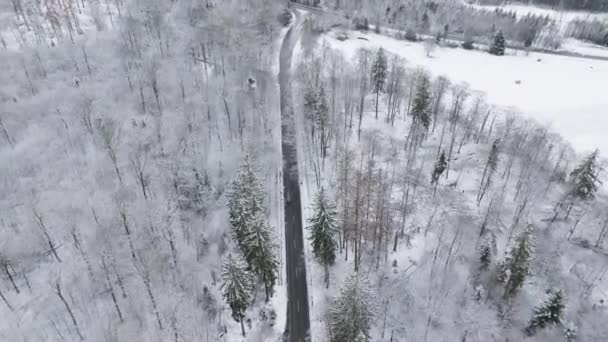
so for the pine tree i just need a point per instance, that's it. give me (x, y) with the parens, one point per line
(489, 169)
(260, 252)
(378, 74)
(549, 313)
(237, 287)
(245, 200)
(498, 48)
(440, 167)
(421, 109)
(353, 311)
(485, 257)
(584, 178)
(514, 269)
(323, 229)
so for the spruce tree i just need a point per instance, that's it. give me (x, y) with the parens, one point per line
(489, 169)
(584, 178)
(421, 109)
(323, 229)
(378, 74)
(260, 251)
(485, 257)
(352, 313)
(514, 269)
(549, 313)
(237, 287)
(440, 166)
(498, 48)
(245, 200)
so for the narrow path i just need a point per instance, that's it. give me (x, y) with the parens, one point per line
(298, 320)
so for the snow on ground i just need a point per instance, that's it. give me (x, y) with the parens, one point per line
(566, 92)
(584, 48)
(91, 18)
(561, 17)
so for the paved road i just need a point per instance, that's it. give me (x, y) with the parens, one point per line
(298, 320)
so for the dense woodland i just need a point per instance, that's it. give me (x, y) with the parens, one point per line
(123, 124)
(140, 183)
(451, 218)
(582, 5)
(456, 19)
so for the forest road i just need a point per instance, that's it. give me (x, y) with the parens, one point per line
(298, 320)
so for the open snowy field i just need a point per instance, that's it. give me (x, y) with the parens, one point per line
(567, 93)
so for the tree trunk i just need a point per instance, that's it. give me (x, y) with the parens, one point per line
(67, 306)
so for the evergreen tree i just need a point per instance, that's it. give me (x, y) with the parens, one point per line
(378, 74)
(352, 312)
(237, 287)
(485, 257)
(245, 200)
(440, 166)
(549, 313)
(498, 48)
(489, 169)
(421, 109)
(323, 229)
(260, 251)
(514, 269)
(584, 178)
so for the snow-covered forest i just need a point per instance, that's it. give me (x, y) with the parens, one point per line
(452, 217)
(123, 127)
(229, 170)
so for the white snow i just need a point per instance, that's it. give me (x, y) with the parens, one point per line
(567, 92)
(561, 17)
(585, 48)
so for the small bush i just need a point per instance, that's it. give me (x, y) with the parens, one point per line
(468, 45)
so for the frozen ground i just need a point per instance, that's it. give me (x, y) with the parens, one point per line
(413, 302)
(561, 17)
(55, 163)
(568, 93)
(585, 48)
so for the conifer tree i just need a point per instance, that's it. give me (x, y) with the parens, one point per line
(352, 312)
(421, 109)
(378, 74)
(260, 251)
(440, 166)
(498, 48)
(485, 257)
(584, 178)
(514, 269)
(237, 287)
(489, 169)
(245, 200)
(323, 229)
(549, 313)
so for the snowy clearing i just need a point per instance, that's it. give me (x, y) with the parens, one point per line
(565, 92)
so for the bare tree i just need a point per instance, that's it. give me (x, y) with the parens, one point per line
(111, 288)
(429, 47)
(144, 273)
(5, 264)
(110, 137)
(45, 231)
(68, 308)
(139, 160)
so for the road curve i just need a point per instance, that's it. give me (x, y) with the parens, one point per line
(298, 320)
